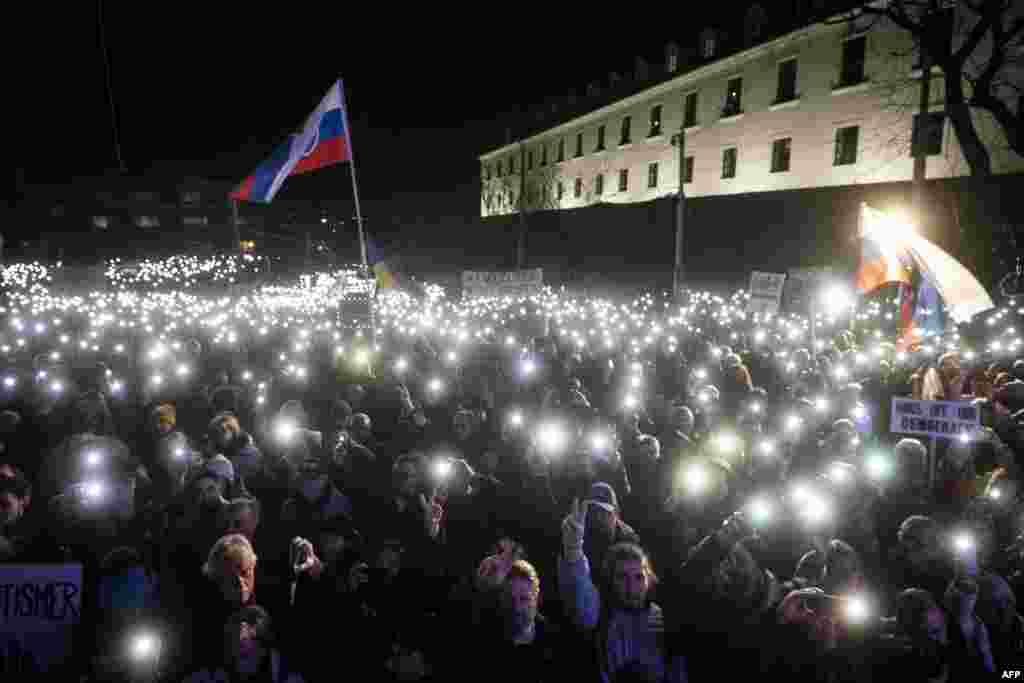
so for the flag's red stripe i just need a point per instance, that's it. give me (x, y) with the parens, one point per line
(328, 152)
(244, 191)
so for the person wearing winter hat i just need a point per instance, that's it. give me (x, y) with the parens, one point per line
(627, 625)
(604, 525)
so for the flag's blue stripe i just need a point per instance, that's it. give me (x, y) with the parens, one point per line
(263, 176)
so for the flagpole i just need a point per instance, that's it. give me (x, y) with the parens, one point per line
(352, 164)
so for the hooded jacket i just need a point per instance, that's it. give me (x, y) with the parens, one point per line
(631, 641)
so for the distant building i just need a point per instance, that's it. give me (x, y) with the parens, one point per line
(159, 213)
(787, 106)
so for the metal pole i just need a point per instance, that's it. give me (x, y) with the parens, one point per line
(678, 273)
(352, 164)
(931, 466)
(234, 224)
(110, 89)
(920, 158)
(521, 250)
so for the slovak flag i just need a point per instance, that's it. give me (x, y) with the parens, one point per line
(323, 141)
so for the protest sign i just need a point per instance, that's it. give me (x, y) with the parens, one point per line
(40, 604)
(482, 283)
(941, 419)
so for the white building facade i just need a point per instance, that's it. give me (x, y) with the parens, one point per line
(826, 105)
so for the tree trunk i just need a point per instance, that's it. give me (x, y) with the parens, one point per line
(959, 113)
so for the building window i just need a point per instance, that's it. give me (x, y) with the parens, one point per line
(787, 81)
(626, 136)
(544, 155)
(486, 172)
(708, 44)
(498, 168)
(655, 121)
(926, 138)
(561, 150)
(147, 221)
(780, 155)
(512, 166)
(733, 97)
(577, 190)
(690, 111)
(729, 163)
(561, 190)
(529, 160)
(191, 198)
(688, 170)
(846, 146)
(852, 69)
(195, 220)
(624, 180)
(652, 175)
(600, 139)
(599, 184)
(101, 222)
(579, 145)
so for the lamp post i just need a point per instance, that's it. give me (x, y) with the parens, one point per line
(679, 140)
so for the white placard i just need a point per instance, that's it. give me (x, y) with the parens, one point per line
(941, 419)
(484, 283)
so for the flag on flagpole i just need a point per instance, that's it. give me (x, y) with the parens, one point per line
(323, 141)
(378, 264)
(882, 262)
(938, 286)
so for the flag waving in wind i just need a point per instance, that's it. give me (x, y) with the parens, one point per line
(940, 287)
(323, 140)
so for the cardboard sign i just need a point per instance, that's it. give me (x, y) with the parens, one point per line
(515, 283)
(40, 604)
(765, 292)
(941, 419)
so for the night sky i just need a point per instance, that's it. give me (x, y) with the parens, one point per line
(219, 89)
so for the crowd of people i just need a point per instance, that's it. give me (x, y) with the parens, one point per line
(561, 489)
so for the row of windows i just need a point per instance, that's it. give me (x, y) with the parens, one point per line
(846, 145)
(851, 72)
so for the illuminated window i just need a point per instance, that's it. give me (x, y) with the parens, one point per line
(655, 121)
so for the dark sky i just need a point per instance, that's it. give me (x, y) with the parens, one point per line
(424, 85)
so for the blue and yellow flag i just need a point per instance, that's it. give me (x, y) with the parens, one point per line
(378, 264)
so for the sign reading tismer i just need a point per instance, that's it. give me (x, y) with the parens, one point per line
(40, 604)
(942, 419)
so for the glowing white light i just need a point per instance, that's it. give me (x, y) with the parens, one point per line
(144, 646)
(857, 609)
(434, 385)
(9, 382)
(552, 437)
(761, 511)
(963, 543)
(285, 430)
(696, 479)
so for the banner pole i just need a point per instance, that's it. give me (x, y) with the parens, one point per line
(355, 184)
